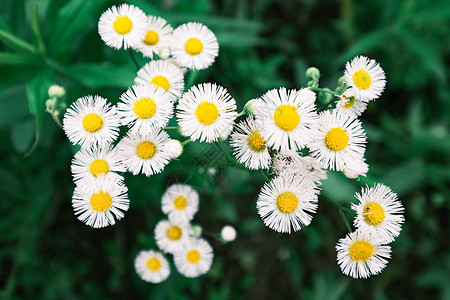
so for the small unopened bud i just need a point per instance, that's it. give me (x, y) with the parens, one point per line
(164, 52)
(313, 73)
(56, 91)
(250, 106)
(50, 105)
(196, 231)
(228, 233)
(312, 83)
(173, 148)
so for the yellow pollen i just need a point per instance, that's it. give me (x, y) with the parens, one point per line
(373, 213)
(153, 264)
(361, 251)
(287, 202)
(146, 150)
(362, 79)
(174, 233)
(100, 201)
(92, 122)
(286, 117)
(193, 256)
(151, 38)
(122, 25)
(350, 102)
(99, 166)
(256, 142)
(180, 203)
(161, 81)
(145, 108)
(337, 139)
(206, 113)
(193, 46)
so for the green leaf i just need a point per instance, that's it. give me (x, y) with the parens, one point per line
(10, 58)
(13, 105)
(22, 134)
(97, 76)
(15, 43)
(405, 177)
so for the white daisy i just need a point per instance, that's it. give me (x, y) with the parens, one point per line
(287, 202)
(206, 111)
(171, 236)
(286, 117)
(144, 108)
(359, 256)
(195, 258)
(312, 170)
(152, 266)
(355, 168)
(180, 202)
(91, 122)
(91, 163)
(194, 46)
(163, 74)
(99, 203)
(123, 25)
(287, 162)
(157, 36)
(366, 77)
(249, 146)
(350, 105)
(338, 139)
(379, 210)
(144, 152)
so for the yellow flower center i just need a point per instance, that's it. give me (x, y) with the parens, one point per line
(286, 117)
(256, 142)
(193, 46)
(361, 251)
(287, 202)
(100, 201)
(373, 213)
(92, 122)
(145, 108)
(99, 166)
(151, 38)
(350, 101)
(362, 79)
(337, 139)
(206, 113)
(153, 264)
(146, 150)
(161, 81)
(122, 25)
(193, 256)
(180, 203)
(174, 233)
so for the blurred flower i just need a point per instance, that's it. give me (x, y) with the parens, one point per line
(171, 236)
(152, 266)
(91, 122)
(359, 256)
(173, 148)
(194, 46)
(355, 168)
(158, 36)
(122, 26)
(56, 91)
(228, 233)
(350, 105)
(195, 258)
(180, 202)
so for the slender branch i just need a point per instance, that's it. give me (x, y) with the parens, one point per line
(314, 89)
(133, 58)
(341, 212)
(339, 206)
(171, 127)
(267, 178)
(241, 114)
(185, 142)
(326, 105)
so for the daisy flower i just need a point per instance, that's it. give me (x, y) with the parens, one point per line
(338, 140)
(172, 235)
(379, 210)
(145, 107)
(152, 266)
(99, 203)
(350, 105)
(290, 163)
(158, 36)
(359, 256)
(144, 152)
(163, 74)
(194, 46)
(249, 146)
(287, 202)
(366, 77)
(92, 163)
(286, 117)
(123, 25)
(195, 258)
(312, 170)
(206, 111)
(180, 202)
(91, 122)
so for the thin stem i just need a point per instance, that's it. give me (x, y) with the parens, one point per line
(326, 105)
(58, 122)
(341, 212)
(314, 89)
(171, 127)
(339, 206)
(185, 142)
(264, 175)
(241, 114)
(133, 58)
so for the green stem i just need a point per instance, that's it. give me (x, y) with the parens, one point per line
(241, 114)
(133, 58)
(185, 142)
(326, 105)
(264, 175)
(339, 206)
(172, 127)
(36, 28)
(341, 212)
(314, 89)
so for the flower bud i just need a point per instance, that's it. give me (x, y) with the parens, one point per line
(228, 233)
(313, 73)
(173, 148)
(56, 91)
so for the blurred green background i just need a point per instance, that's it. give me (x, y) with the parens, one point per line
(47, 253)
